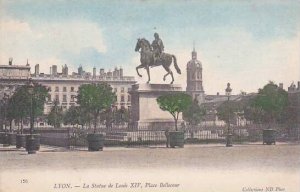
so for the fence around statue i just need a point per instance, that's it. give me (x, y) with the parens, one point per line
(147, 136)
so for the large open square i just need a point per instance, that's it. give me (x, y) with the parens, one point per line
(211, 167)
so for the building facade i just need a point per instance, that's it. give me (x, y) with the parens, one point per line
(63, 86)
(294, 100)
(194, 78)
(12, 76)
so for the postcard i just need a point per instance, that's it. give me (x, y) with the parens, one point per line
(150, 95)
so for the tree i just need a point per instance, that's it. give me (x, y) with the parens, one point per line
(76, 115)
(226, 111)
(19, 105)
(194, 113)
(21, 102)
(255, 114)
(95, 98)
(174, 104)
(40, 93)
(272, 101)
(55, 117)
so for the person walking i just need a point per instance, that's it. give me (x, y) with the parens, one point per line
(167, 137)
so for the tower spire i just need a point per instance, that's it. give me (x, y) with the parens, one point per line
(194, 53)
(194, 46)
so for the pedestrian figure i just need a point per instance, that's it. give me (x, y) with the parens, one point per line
(167, 137)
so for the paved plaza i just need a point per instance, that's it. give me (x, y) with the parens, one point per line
(211, 167)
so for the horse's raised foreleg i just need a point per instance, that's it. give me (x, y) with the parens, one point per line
(138, 67)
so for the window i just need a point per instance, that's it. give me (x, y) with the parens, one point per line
(64, 98)
(72, 89)
(73, 98)
(64, 89)
(56, 89)
(129, 98)
(57, 98)
(122, 98)
(122, 89)
(49, 88)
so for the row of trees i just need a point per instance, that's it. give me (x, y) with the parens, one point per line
(95, 105)
(270, 105)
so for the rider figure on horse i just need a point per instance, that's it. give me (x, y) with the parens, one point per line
(158, 48)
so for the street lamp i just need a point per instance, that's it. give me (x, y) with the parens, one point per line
(5, 102)
(229, 135)
(5, 99)
(31, 143)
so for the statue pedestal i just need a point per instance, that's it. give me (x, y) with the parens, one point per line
(145, 112)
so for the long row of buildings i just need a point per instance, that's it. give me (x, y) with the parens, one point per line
(64, 86)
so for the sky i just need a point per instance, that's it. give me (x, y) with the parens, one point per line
(246, 43)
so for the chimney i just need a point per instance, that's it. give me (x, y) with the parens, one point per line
(66, 70)
(54, 69)
(115, 71)
(94, 72)
(121, 72)
(101, 72)
(37, 69)
(281, 85)
(218, 93)
(298, 85)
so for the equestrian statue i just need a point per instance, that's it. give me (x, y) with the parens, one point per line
(153, 55)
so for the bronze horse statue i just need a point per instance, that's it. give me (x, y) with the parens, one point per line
(147, 59)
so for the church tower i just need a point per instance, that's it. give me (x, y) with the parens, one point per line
(194, 78)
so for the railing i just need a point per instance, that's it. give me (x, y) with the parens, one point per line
(129, 136)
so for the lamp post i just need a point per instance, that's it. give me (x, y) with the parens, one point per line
(5, 99)
(5, 102)
(229, 135)
(31, 143)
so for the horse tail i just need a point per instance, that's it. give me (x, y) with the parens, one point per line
(175, 65)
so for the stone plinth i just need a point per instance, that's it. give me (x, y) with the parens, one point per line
(145, 111)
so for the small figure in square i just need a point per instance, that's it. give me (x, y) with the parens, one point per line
(167, 137)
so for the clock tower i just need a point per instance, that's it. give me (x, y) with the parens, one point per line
(194, 78)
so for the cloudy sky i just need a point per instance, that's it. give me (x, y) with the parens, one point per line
(246, 43)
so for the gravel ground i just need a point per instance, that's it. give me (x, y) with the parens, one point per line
(207, 167)
(279, 156)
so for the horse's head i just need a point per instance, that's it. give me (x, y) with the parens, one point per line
(138, 45)
(142, 44)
